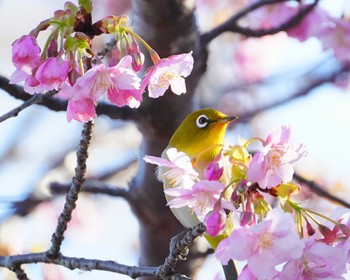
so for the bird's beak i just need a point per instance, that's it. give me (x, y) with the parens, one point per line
(227, 119)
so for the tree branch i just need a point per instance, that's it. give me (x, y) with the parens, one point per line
(231, 23)
(35, 99)
(20, 273)
(74, 190)
(178, 251)
(57, 105)
(94, 188)
(179, 248)
(317, 189)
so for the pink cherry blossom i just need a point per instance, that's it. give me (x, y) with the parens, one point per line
(25, 52)
(273, 165)
(81, 110)
(119, 82)
(263, 246)
(246, 274)
(176, 167)
(318, 261)
(167, 72)
(52, 73)
(201, 197)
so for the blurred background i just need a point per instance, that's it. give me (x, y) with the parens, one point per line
(38, 146)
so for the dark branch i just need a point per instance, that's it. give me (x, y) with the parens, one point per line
(35, 99)
(232, 25)
(316, 188)
(58, 105)
(74, 190)
(179, 247)
(92, 187)
(20, 273)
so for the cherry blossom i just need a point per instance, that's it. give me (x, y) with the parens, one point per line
(167, 72)
(52, 73)
(25, 52)
(81, 110)
(263, 246)
(201, 197)
(177, 167)
(120, 82)
(273, 165)
(318, 261)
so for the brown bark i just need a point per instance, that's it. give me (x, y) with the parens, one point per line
(169, 27)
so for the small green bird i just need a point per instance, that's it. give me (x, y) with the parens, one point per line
(201, 136)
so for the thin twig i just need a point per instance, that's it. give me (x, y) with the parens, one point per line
(231, 23)
(35, 99)
(317, 189)
(74, 190)
(92, 187)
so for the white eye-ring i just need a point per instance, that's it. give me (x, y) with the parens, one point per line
(202, 121)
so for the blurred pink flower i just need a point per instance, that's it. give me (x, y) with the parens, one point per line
(263, 246)
(201, 197)
(310, 25)
(246, 274)
(167, 72)
(318, 261)
(177, 166)
(25, 52)
(335, 34)
(52, 73)
(252, 64)
(273, 165)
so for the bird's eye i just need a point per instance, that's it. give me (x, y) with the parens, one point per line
(202, 121)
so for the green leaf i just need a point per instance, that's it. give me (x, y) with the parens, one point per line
(86, 4)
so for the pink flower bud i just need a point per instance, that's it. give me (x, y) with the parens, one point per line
(329, 235)
(213, 172)
(345, 229)
(215, 222)
(247, 218)
(137, 56)
(25, 52)
(310, 229)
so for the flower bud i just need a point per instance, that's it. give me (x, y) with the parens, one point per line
(247, 218)
(329, 235)
(213, 171)
(215, 222)
(345, 229)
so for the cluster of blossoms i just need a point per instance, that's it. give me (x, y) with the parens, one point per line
(69, 65)
(284, 242)
(332, 32)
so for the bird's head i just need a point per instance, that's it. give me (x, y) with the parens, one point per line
(201, 134)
